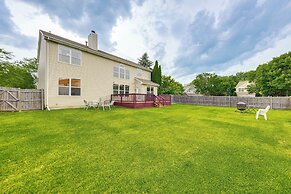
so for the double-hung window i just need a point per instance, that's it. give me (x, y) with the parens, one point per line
(69, 55)
(127, 74)
(115, 88)
(64, 54)
(121, 72)
(126, 89)
(120, 89)
(150, 90)
(64, 87)
(69, 87)
(116, 72)
(75, 57)
(75, 87)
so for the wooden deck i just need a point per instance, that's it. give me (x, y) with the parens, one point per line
(141, 100)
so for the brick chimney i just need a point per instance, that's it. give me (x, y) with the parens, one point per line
(93, 40)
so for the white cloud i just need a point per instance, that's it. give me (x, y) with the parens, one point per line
(159, 23)
(28, 20)
(280, 46)
(156, 27)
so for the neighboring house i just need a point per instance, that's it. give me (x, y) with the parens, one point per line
(70, 72)
(190, 90)
(241, 89)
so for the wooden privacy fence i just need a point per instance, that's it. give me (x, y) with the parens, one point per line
(258, 102)
(14, 99)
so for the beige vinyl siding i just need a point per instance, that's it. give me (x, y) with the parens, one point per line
(42, 67)
(95, 73)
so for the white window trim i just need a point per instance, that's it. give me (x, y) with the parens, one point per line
(127, 70)
(119, 74)
(121, 67)
(118, 91)
(117, 88)
(241, 89)
(152, 89)
(70, 56)
(116, 72)
(70, 86)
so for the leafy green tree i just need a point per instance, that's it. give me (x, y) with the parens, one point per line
(15, 76)
(20, 74)
(245, 76)
(144, 61)
(30, 65)
(253, 88)
(206, 84)
(227, 85)
(213, 85)
(274, 77)
(170, 86)
(5, 55)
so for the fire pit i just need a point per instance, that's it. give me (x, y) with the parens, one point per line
(241, 106)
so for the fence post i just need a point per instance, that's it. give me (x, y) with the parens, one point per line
(271, 102)
(42, 99)
(19, 100)
(212, 100)
(229, 101)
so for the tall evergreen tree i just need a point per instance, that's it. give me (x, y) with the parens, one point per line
(155, 73)
(160, 75)
(144, 61)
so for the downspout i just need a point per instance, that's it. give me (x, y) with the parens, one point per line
(47, 73)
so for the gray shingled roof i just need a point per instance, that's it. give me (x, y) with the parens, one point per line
(147, 82)
(58, 39)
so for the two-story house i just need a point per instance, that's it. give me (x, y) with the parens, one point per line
(241, 89)
(190, 90)
(70, 72)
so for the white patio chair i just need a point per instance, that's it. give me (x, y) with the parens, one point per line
(263, 112)
(106, 103)
(89, 105)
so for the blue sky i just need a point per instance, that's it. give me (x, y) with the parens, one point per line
(186, 37)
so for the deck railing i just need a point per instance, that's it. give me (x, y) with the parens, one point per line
(141, 98)
(132, 98)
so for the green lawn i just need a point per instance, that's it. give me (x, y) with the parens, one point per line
(175, 149)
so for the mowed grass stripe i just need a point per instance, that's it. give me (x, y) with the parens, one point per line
(180, 148)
